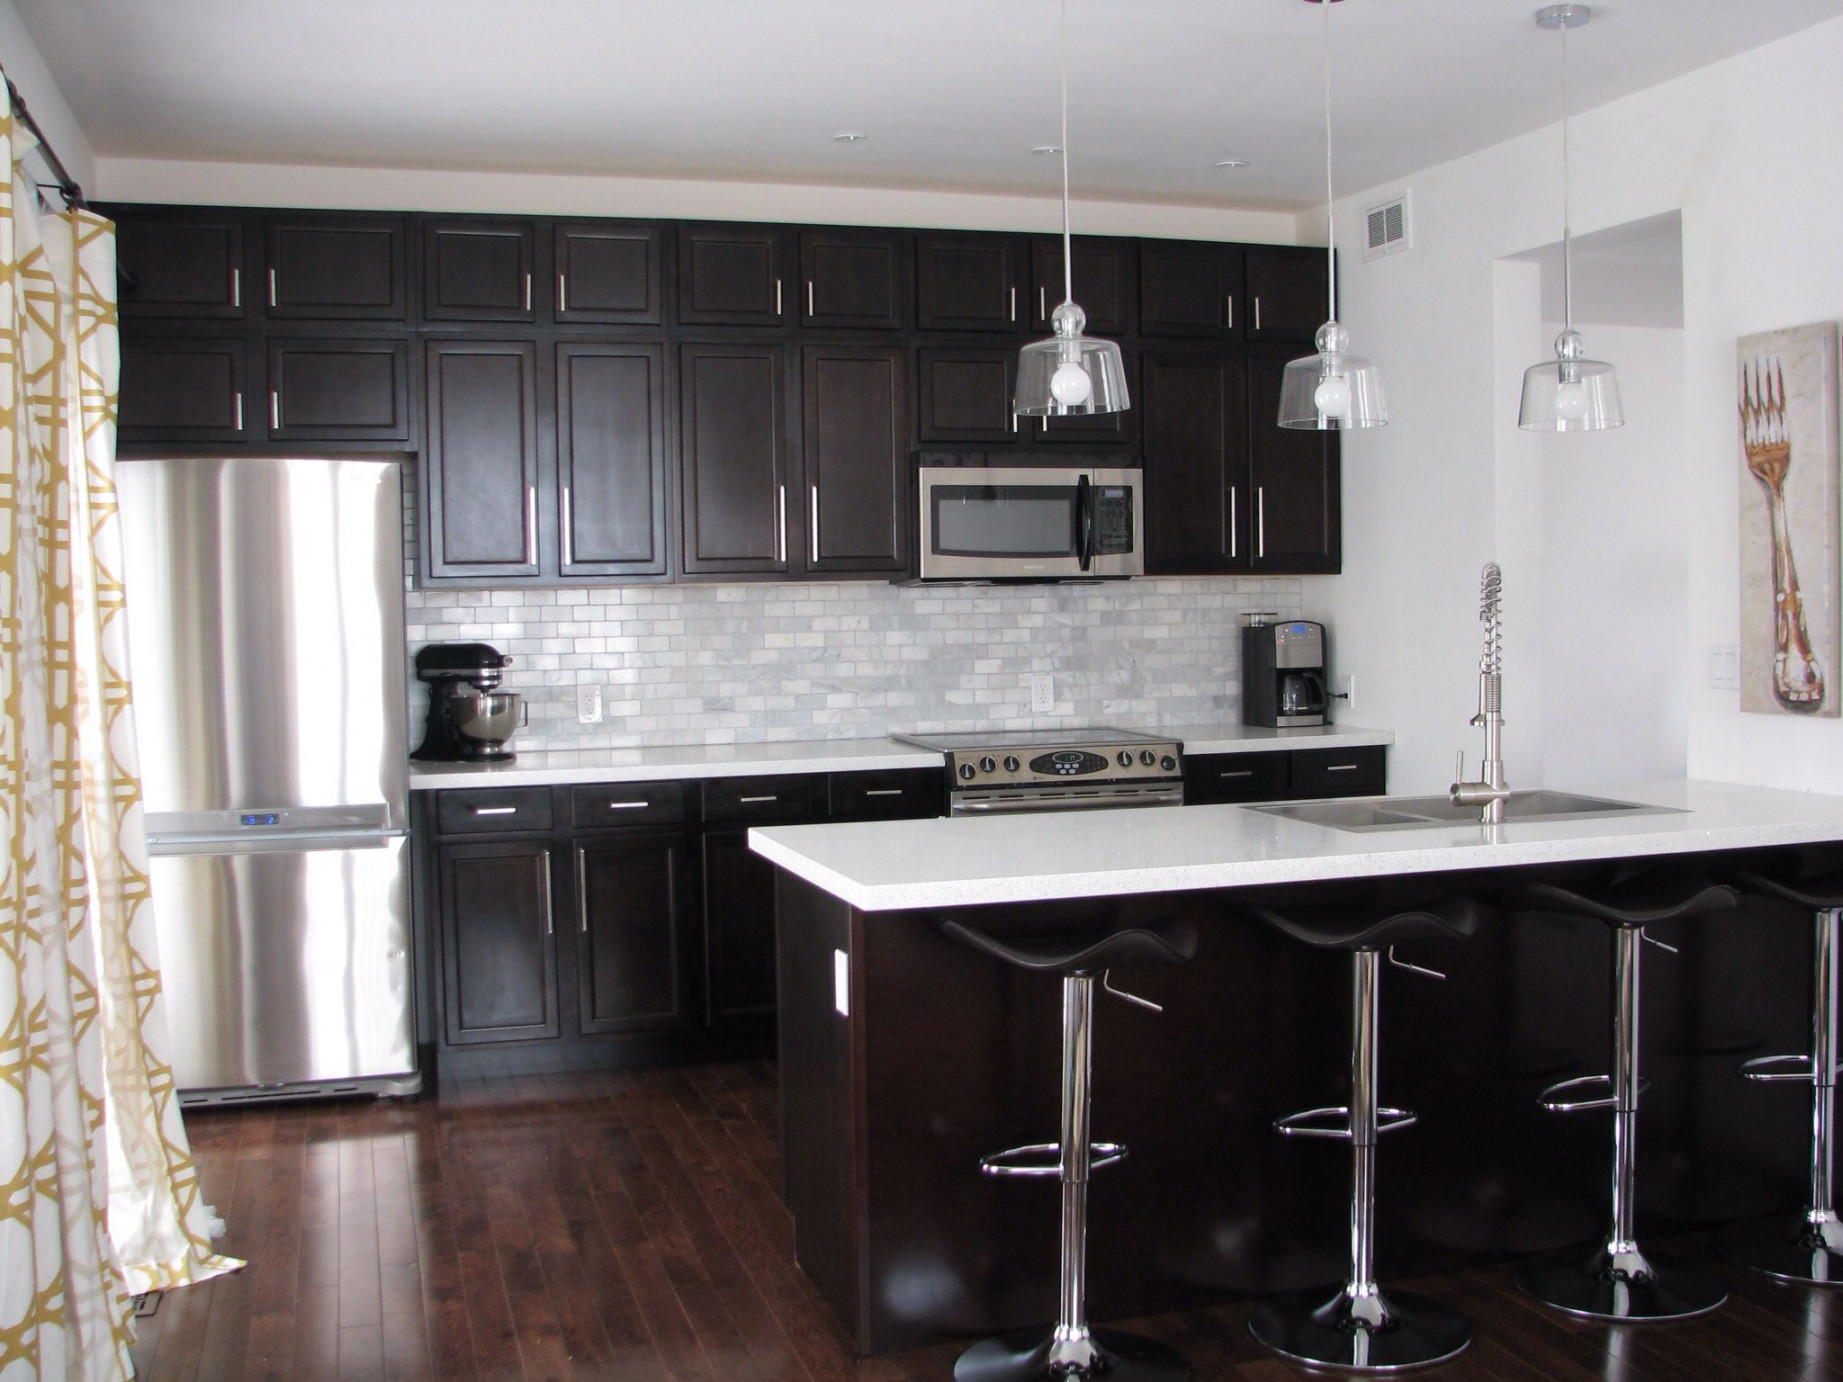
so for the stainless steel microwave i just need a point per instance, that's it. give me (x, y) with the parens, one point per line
(1029, 523)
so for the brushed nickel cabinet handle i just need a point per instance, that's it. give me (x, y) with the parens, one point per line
(275, 411)
(239, 411)
(755, 801)
(527, 292)
(493, 810)
(1237, 772)
(236, 287)
(640, 805)
(550, 915)
(1229, 314)
(1014, 422)
(814, 506)
(1257, 312)
(272, 301)
(1043, 302)
(1013, 291)
(780, 519)
(1260, 504)
(563, 293)
(1341, 767)
(883, 791)
(1233, 543)
(531, 524)
(567, 533)
(809, 298)
(777, 297)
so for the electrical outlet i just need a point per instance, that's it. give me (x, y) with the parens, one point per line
(1724, 666)
(588, 705)
(1042, 694)
(1345, 689)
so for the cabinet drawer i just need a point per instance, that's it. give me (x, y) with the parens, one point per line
(1227, 777)
(502, 809)
(762, 798)
(1338, 773)
(900, 792)
(628, 803)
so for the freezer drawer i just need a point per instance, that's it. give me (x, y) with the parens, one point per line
(286, 967)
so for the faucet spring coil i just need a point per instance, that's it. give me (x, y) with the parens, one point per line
(1490, 595)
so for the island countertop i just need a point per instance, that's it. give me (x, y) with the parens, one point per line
(965, 861)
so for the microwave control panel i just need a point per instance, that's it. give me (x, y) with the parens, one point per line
(1113, 520)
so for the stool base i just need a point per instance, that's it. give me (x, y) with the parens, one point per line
(1325, 1328)
(1025, 1356)
(1631, 1287)
(1791, 1249)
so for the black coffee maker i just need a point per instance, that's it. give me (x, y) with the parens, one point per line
(1282, 673)
(453, 669)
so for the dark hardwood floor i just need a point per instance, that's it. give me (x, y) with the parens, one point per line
(626, 1226)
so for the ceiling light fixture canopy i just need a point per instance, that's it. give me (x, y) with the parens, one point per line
(1333, 390)
(1570, 393)
(1070, 373)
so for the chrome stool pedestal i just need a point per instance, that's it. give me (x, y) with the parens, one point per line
(1070, 1350)
(1358, 1326)
(1807, 1247)
(1618, 1280)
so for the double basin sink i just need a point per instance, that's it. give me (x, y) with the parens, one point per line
(1411, 813)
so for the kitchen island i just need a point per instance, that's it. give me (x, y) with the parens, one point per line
(904, 1056)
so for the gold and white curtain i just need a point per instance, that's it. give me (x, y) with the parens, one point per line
(99, 1198)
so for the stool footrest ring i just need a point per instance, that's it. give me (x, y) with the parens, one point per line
(1008, 1163)
(1311, 1122)
(1767, 1069)
(1554, 1105)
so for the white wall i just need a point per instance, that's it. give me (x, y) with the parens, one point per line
(20, 57)
(1746, 150)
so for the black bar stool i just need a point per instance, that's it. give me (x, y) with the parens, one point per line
(1356, 1326)
(1617, 1281)
(1071, 1349)
(1808, 1248)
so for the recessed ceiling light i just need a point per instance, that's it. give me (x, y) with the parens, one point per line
(1047, 149)
(1231, 163)
(849, 137)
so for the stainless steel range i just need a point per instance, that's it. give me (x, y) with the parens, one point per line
(1049, 770)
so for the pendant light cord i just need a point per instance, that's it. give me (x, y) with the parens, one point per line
(1062, 63)
(1567, 217)
(1330, 204)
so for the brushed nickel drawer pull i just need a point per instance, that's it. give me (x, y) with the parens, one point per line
(1238, 772)
(494, 810)
(1341, 767)
(629, 805)
(883, 791)
(751, 801)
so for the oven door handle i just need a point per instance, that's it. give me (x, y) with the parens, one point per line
(1084, 523)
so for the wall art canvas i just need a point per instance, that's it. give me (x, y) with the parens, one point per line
(1789, 522)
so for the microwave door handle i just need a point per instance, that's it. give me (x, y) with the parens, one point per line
(1084, 522)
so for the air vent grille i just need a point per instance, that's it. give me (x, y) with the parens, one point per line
(1386, 228)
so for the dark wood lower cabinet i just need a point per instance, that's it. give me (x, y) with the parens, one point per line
(635, 941)
(738, 930)
(498, 940)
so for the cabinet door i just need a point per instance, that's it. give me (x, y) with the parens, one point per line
(853, 279)
(182, 264)
(611, 459)
(856, 434)
(733, 462)
(499, 949)
(738, 931)
(478, 270)
(347, 267)
(966, 395)
(480, 478)
(636, 963)
(966, 282)
(1294, 475)
(1189, 288)
(182, 389)
(1194, 409)
(321, 389)
(730, 275)
(608, 273)
(1286, 292)
(1103, 283)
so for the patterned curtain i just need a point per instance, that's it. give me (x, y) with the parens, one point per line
(98, 1194)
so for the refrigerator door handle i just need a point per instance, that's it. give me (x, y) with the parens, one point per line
(278, 842)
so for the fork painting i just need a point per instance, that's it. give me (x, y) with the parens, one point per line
(1789, 536)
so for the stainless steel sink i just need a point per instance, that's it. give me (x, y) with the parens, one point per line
(1411, 813)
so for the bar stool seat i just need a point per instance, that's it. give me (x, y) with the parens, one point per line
(1618, 1281)
(1356, 1326)
(1807, 1247)
(1070, 1349)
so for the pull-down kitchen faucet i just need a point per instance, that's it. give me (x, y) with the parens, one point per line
(1489, 792)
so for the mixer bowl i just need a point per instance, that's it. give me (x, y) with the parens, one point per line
(486, 719)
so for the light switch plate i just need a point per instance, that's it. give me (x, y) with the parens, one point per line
(588, 705)
(1724, 666)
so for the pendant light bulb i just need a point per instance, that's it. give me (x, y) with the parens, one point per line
(1070, 384)
(1332, 397)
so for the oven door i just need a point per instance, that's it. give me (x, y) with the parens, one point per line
(1031, 524)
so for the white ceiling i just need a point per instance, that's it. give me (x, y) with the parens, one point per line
(953, 93)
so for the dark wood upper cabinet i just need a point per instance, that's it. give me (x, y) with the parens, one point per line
(183, 388)
(499, 951)
(1194, 415)
(344, 268)
(1103, 283)
(1190, 288)
(608, 273)
(636, 966)
(852, 279)
(478, 270)
(481, 476)
(968, 282)
(611, 471)
(1295, 479)
(733, 458)
(1108, 430)
(323, 389)
(182, 264)
(856, 430)
(1286, 292)
(732, 275)
(966, 395)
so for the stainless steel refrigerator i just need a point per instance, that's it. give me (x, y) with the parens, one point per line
(265, 618)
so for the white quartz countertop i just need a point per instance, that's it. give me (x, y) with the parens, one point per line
(960, 861)
(554, 767)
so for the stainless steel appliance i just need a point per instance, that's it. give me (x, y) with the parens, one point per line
(1057, 769)
(470, 720)
(1282, 673)
(1029, 523)
(265, 613)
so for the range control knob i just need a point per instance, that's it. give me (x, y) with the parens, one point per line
(988, 764)
(1168, 763)
(1126, 758)
(966, 772)
(1011, 763)
(1147, 757)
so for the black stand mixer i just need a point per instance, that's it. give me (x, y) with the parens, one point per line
(470, 719)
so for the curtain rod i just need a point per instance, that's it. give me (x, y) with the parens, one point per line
(67, 185)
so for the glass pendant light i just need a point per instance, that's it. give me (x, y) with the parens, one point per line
(1332, 390)
(1569, 393)
(1070, 373)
